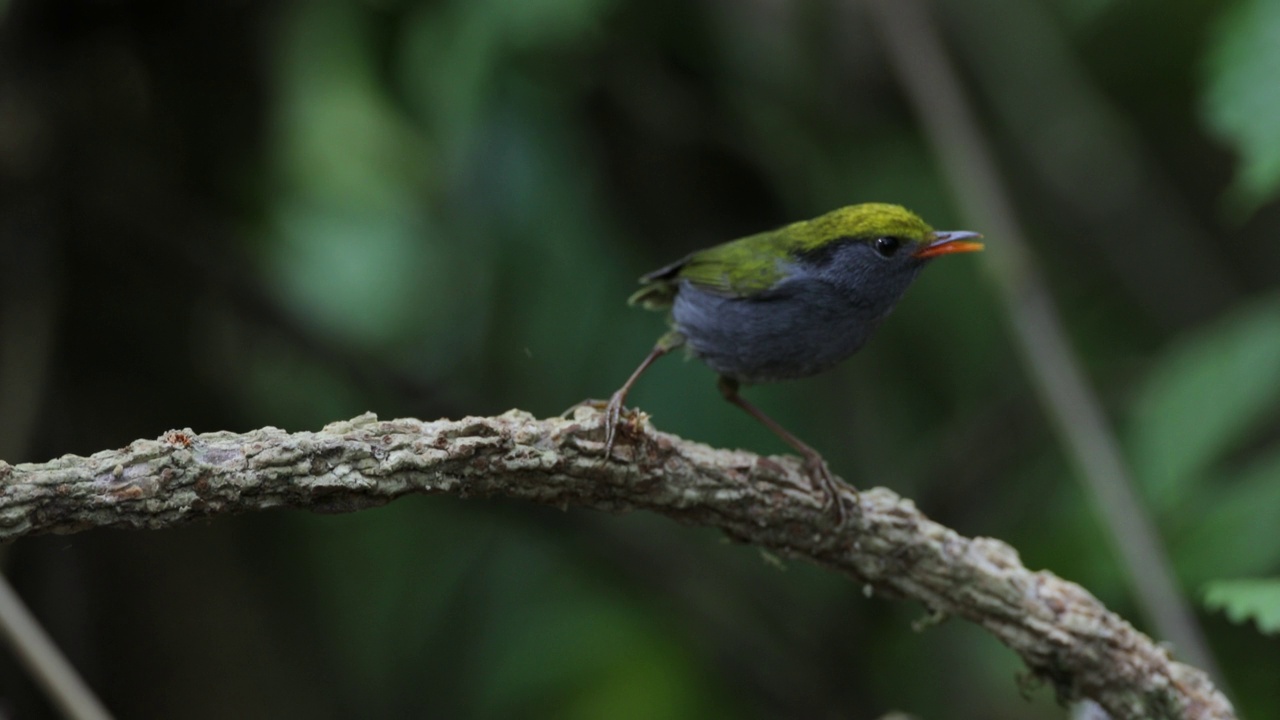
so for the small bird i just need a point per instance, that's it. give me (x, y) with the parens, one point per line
(788, 303)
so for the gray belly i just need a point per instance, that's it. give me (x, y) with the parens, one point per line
(757, 340)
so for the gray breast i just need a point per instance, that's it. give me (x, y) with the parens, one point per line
(793, 332)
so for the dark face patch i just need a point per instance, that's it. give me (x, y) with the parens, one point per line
(885, 247)
(822, 255)
(867, 274)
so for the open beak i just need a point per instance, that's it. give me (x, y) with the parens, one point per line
(943, 242)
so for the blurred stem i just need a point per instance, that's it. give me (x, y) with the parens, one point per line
(43, 660)
(916, 54)
(1090, 158)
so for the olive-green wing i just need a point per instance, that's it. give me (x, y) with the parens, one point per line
(739, 268)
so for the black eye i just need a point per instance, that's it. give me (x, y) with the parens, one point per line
(887, 246)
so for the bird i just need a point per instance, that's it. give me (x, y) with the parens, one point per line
(788, 303)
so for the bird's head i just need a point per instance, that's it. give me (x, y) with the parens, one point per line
(891, 231)
(873, 250)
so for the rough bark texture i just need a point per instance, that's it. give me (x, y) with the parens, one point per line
(1062, 632)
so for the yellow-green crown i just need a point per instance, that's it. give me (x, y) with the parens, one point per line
(867, 220)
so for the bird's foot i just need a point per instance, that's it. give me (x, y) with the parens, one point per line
(614, 413)
(832, 500)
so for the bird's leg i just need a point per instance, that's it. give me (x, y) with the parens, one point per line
(813, 462)
(613, 411)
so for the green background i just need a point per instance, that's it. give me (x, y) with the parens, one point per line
(231, 215)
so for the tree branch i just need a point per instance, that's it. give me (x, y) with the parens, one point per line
(1061, 631)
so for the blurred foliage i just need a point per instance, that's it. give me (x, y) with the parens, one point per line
(1245, 600)
(1215, 389)
(1241, 101)
(236, 215)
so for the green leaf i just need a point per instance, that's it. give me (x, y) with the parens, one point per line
(1241, 103)
(1225, 534)
(1256, 599)
(1205, 395)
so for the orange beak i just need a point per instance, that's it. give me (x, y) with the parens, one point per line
(947, 242)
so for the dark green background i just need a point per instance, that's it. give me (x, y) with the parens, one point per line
(224, 215)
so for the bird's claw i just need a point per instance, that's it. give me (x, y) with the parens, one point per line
(818, 471)
(612, 415)
(613, 410)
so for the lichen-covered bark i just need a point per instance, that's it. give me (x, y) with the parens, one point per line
(1062, 632)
